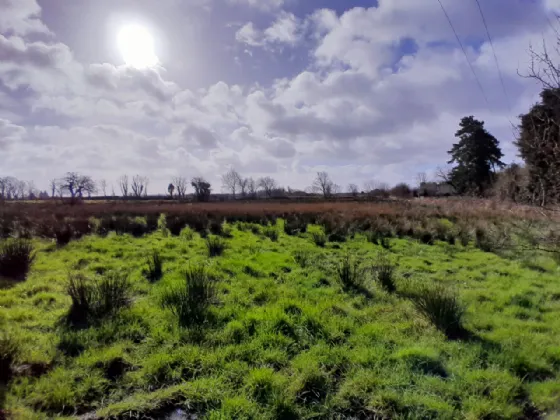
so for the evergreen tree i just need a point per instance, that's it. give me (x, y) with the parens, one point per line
(476, 155)
(539, 146)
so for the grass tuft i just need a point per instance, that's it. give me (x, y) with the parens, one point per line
(384, 271)
(190, 301)
(215, 245)
(351, 276)
(271, 232)
(16, 257)
(154, 271)
(9, 349)
(319, 238)
(442, 308)
(94, 300)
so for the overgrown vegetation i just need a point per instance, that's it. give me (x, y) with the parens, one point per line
(215, 246)
(16, 257)
(285, 328)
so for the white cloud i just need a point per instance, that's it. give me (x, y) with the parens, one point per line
(264, 5)
(21, 17)
(285, 30)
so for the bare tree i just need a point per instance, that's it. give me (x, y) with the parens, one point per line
(77, 184)
(268, 185)
(32, 191)
(113, 191)
(202, 189)
(123, 184)
(103, 186)
(54, 183)
(251, 188)
(181, 184)
(139, 185)
(231, 182)
(421, 178)
(324, 185)
(3, 187)
(171, 189)
(243, 183)
(353, 189)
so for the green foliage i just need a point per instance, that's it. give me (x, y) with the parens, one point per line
(96, 299)
(384, 271)
(9, 349)
(538, 145)
(215, 246)
(442, 308)
(16, 257)
(190, 300)
(271, 232)
(319, 238)
(350, 275)
(154, 271)
(476, 154)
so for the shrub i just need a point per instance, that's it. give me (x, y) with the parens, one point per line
(189, 302)
(384, 270)
(442, 308)
(175, 224)
(294, 226)
(271, 232)
(216, 227)
(9, 349)
(93, 300)
(385, 243)
(319, 238)
(350, 275)
(302, 257)
(373, 236)
(215, 245)
(155, 267)
(16, 257)
(62, 234)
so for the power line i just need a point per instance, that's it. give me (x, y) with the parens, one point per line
(464, 52)
(495, 56)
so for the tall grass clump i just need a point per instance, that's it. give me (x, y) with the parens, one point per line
(442, 308)
(351, 275)
(96, 299)
(271, 232)
(16, 257)
(319, 238)
(154, 272)
(9, 349)
(384, 270)
(215, 245)
(190, 301)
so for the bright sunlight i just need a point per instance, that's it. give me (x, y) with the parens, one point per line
(137, 46)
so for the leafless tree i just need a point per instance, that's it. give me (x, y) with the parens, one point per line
(251, 188)
(103, 186)
(139, 185)
(3, 186)
(123, 184)
(54, 184)
(113, 191)
(353, 189)
(231, 182)
(32, 191)
(171, 190)
(181, 184)
(202, 189)
(77, 184)
(324, 185)
(243, 184)
(421, 178)
(268, 185)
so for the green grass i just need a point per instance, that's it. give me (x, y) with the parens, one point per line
(277, 333)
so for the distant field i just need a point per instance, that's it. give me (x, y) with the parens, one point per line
(331, 310)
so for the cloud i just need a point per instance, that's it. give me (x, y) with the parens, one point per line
(10, 133)
(264, 5)
(285, 30)
(21, 17)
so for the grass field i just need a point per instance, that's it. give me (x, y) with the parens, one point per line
(282, 326)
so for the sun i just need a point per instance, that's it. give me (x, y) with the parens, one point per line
(137, 46)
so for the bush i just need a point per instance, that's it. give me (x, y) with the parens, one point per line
(350, 275)
(16, 257)
(384, 270)
(442, 308)
(9, 349)
(189, 302)
(302, 257)
(62, 234)
(155, 267)
(271, 232)
(294, 226)
(319, 238)
(93, 300)
(215, 245)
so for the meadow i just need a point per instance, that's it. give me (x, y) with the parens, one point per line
(442, 310)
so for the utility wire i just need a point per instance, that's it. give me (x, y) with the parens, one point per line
(495, 56)
(464, 52)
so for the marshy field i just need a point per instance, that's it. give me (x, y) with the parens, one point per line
(438, 309)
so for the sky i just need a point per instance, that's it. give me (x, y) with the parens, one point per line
(365, 90)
